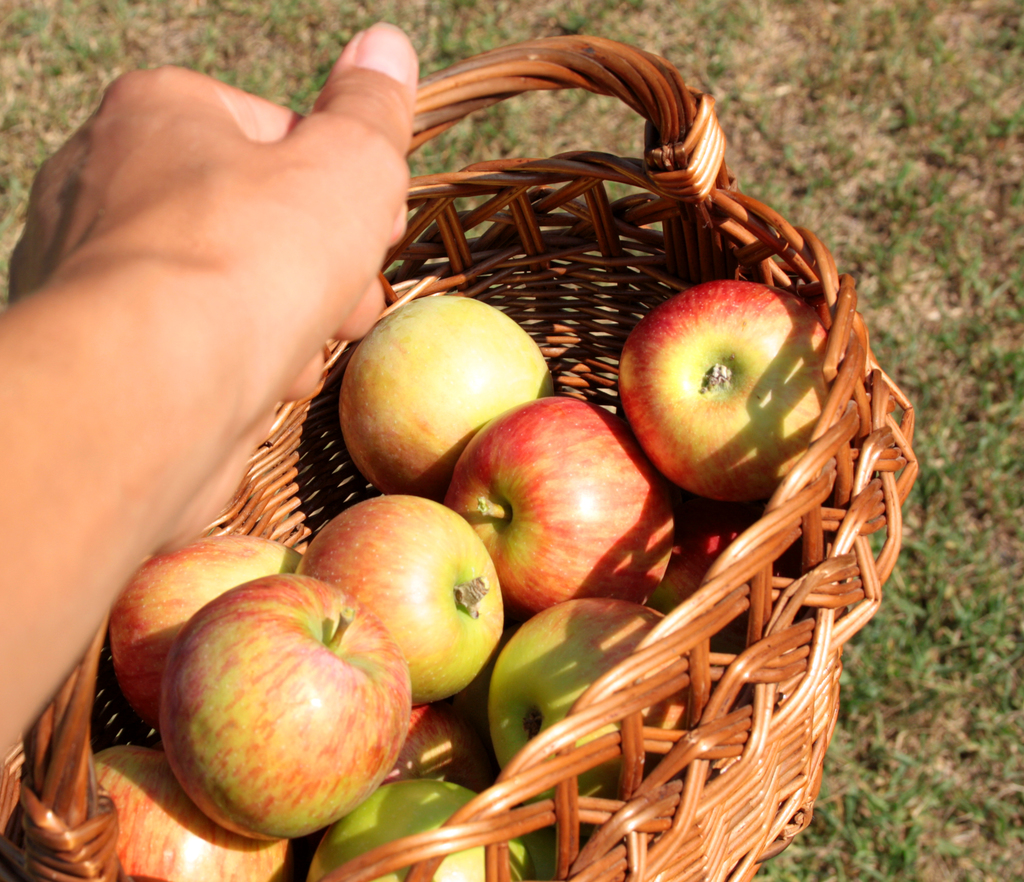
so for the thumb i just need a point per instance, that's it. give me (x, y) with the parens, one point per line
(355, 86)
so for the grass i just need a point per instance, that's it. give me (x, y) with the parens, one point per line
(895, 132)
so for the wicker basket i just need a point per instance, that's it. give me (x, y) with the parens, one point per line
(542, 240)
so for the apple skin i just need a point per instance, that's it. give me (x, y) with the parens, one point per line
(164, 593)
(443, 746)
(566, 503)
(285, 702)
(551, 660)
(542, 845)
(424, 380)
(163, 835)
(402, 809)
(704, 529)
(471, 703)
(723, 386)
(406, 557)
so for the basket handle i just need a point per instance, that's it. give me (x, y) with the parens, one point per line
(684, 150)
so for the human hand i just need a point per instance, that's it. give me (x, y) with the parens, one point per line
(275, 224)
(181, 169)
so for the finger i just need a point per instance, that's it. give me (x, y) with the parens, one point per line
(374, 82)
(259, 120)
(385, 49)
(162, 88)
(364, 315)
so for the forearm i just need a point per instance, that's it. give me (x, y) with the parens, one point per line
(118, 401)
(185, 256)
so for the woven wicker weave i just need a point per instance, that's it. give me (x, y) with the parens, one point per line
(543, 240)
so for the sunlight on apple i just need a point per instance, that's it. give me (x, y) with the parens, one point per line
(624, 633)
(587, 506)
(194, 851)
(438, 756)
(799, 366)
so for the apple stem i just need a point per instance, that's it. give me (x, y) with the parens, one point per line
(335, 631)
(469, 594)
(489, 508)
(718, 375)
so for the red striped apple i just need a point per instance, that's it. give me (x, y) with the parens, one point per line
(443, 746)
(723, 386)
(566, 503)
(704, 529)
(162, 834)
(424, 380)
(164, 593)
(424, 571)
(284, 704)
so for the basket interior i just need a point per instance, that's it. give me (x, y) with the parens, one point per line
(575, 268)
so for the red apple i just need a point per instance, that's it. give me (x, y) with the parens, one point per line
(405, 808)
(703, 530)
(549, 663)
(164, 593)
(163, 835)
(443, 746)
(566, 503)
(284, 703)
(723, 385)
(424, 380)
(424, 571)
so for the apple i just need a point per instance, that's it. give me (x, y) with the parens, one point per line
(704, 529)
(284, 704)
(471, 703)
(163, 835)
(566, 503)
(549, 663)
(424, 571)
(443, 746)
(164, 593)
(723, 386)
(402, 809)
(424, 380)
(542, 846)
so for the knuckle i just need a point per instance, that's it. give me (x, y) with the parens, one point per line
(140, 86)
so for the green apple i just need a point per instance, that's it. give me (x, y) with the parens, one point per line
(424, 380)
(471, 702)
(403, 809)
(542, 846)
(549, 663)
